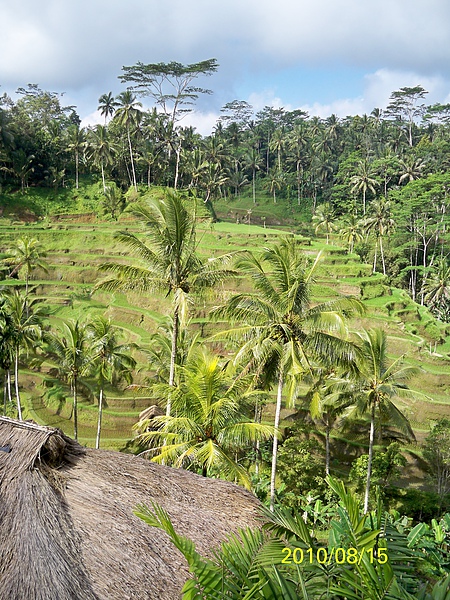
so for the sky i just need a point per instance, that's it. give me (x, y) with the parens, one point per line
(323, 56)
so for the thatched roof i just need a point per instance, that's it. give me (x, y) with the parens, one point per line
(67, 530)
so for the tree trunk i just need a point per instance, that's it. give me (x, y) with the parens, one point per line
(75, 410)
(369, 463)
(77, 160)
(131, 159)
(103, 178)
(177, 166)
(100, 414)
(327, 450)
(382, 255)
(173, 356)
(275, 439)
(256, 446)
(253, 187)
(9, 385)
(5, 391)
(375, 256)
(16, 384)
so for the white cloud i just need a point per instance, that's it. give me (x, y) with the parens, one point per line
(266, 97)
(203, 122)
(80, 46)
(93, 119)
(378, 87)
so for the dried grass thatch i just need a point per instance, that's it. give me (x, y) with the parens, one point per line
(67, 530)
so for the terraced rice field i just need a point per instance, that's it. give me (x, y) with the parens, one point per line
(76, 246)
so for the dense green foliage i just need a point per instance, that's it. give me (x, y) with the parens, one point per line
(368, 557)
(283, 338)
(380, 181)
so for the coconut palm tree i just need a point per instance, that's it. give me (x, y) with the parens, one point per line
(209, 426)
(107, 105)
(76, 143)
(25, 320)
(113, 201)
(274, 181)
(171, 263)
(411, 168)
(375, 385)
(351, 231)
(281, 333)
(26, 254)
(128, 115)
(381, 224)
(70, 351)
(7, 345)
(437, 289)
(327, 405)
(324, 219)
(252, 160)
(112, 361)
(100, 150)
(364, 181)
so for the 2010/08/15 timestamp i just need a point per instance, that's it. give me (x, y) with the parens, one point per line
(350, 556)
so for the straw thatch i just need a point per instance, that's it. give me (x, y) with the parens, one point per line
(67, 531)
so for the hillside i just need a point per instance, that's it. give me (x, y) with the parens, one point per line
(77, 244)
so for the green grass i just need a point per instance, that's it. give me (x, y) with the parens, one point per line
(75, 250)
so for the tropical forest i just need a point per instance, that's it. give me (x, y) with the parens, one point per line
(268, 304)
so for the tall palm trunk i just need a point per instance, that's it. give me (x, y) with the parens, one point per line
(100, 414)
(369, 462)
(75, 410)
(375, 256)
(327, 449)
(77, 161)
(177, 166)
(131, 159)
(5, 390)
(16, 384)
(253, 186)
(275, 439)
(173, 356)
(257, 443)
(103, 178)
(382, 255)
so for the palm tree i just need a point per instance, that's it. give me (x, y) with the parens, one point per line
(281, 332)
(252, 160)
(437, 289)
(128, 115)
(364, 180)
(113, 201)
(351, 232)
(324, 219)
(112, 361)
(376, 384)
(171, 262)
(328, 405)
(209, 427)
(278, 143)
(22, 166)
(71, 353)
(25, 254)
(274, 181)
(298, 146)
(411, 168)
(25, 320)
(380, 223)
(107, 105)
(100, 149)
(76, 144)
(7, 346)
